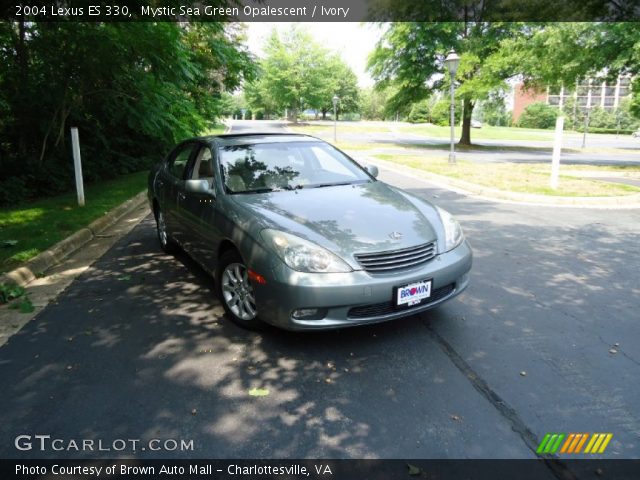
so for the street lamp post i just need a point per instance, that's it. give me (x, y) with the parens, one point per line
(451, 62)
(335, 100)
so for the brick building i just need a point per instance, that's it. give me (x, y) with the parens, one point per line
(592, 93)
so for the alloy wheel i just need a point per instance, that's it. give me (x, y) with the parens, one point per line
(237, 292)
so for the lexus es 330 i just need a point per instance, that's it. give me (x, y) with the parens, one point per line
(299, 235)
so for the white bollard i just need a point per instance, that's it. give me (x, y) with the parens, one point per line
(557, 147)
(77, 164)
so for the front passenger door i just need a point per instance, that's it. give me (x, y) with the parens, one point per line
(173, 187)
(197, 210)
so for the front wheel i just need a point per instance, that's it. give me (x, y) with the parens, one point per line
(236, 292)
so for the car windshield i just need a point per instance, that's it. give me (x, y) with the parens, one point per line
(268, 167)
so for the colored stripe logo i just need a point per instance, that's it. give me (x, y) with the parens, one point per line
(574, 443)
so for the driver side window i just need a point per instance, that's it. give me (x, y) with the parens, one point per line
(179, 162)
(203, 166)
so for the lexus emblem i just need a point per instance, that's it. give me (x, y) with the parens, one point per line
(395, 236)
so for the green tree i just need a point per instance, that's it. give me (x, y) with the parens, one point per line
(493, 110)
(421, 112)
(342, 82)
(376, 104)
(564, 53)
(298, 73)
(410, 56)
(372, 103)
(626, 119)
(441, 113)
(260, 100)
(293, 74)
(132, 89)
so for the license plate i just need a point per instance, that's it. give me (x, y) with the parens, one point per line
(413, 294)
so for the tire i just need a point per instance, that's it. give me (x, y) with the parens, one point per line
(167, 243)
(236, 293)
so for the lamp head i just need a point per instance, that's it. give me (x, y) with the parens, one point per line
(451, 62)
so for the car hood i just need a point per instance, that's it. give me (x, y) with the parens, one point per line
(345, 219)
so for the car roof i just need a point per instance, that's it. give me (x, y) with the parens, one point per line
(230, 139)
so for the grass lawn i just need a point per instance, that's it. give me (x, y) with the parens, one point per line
(487, 132)
(355, 127)
(517, 177)
(350, 127)
(365, 146)
(37, 225)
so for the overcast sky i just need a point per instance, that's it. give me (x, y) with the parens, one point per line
(354, 41)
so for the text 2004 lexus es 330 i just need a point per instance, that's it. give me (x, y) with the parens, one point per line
(300, 236)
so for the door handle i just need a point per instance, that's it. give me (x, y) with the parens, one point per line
(181, 196)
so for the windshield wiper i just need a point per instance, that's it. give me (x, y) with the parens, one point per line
(261, 190)
(334, 184)
(298, 186)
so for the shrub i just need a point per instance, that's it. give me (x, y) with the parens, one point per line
(538, 115)
(622, 131)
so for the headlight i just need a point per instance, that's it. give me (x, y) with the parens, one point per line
(452, 230)
(302, 255)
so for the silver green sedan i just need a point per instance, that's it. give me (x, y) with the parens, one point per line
(300, 236)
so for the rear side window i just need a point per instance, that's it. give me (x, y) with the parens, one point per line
(179, 161)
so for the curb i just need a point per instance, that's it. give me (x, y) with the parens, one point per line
(61, 250)
(493, 194)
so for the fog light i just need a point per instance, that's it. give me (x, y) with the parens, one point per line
(309, 313)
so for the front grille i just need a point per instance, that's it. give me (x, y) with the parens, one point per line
(386, 308)
(383, 262)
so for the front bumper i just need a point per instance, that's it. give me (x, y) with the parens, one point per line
(356, 298)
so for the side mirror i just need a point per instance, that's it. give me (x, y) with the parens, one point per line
(198, 186)
(373, 170)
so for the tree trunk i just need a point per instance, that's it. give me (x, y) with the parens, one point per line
(467, 110)
(46, 137)
(324, 114)
(21, 53)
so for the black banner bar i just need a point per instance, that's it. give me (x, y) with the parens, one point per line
(538, 469)
(324, 10)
